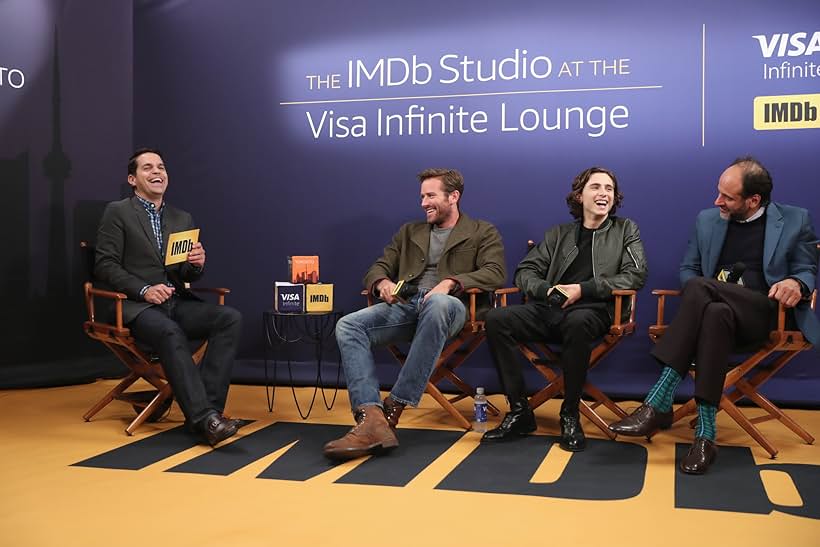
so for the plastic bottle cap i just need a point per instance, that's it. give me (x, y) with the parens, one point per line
(479, 391)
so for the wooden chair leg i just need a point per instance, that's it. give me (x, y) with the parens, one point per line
(593, 417)
(773, 411)
(603, 399)
(747, 426)
(546, 394)
(124, 384)
(149, 409)
(436, 394)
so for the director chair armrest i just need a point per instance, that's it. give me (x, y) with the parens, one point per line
(118, 297)
(219, 291)
(659, 327)
(500, 296)
(618, 327)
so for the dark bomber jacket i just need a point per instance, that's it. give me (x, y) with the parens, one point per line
(618, 260)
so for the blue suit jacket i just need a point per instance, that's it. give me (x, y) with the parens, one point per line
(789, 250)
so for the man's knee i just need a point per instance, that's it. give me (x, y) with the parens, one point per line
(228, 317)
(345, 327)
(582, 325)
(696, 285)
(717, 314)
(444, 310)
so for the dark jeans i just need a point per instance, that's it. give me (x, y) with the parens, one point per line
(167, 329)
(713, 318)
(530, 322)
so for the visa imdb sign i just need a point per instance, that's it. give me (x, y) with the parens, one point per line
(786, 112)
(319, 297)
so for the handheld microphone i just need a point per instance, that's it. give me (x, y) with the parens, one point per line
(404, 290)
(736, 272)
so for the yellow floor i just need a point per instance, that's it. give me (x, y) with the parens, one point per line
(48, 501)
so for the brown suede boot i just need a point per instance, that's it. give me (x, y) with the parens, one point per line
(370, 435)
(392, 411)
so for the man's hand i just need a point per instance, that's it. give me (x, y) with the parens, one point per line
(444, 287)
(787, 292)
(573, 293)
(385, 290)
(196, 256)
(157, 294)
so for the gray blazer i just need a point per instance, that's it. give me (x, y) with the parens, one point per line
(127, 258)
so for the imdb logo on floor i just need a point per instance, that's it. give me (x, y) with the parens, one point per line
(787, 112)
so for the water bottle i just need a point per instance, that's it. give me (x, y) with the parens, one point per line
(480, 409)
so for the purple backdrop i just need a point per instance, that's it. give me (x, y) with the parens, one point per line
(234, 94)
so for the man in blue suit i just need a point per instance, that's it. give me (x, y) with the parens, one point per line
(768, 254)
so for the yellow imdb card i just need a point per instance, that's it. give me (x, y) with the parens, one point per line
(179, 244)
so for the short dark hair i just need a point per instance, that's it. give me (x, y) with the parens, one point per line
(132, 161)
(451, 179)
(756, 178)
(575, 208)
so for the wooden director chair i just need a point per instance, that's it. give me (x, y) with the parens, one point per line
(150, 405)
(781, 347)
(455, 352)
(544, 357)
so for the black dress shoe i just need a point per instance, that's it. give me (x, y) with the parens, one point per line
(239, 423)
(644, 422)
(700, 456)
(216, 428)
(572, 435)
(519, 421)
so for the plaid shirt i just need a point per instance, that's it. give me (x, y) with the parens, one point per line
(155, 217)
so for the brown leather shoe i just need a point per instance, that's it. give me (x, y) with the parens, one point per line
(701, 455)
(644, 422)
(370, 435)
(216, 428)
(392, 411)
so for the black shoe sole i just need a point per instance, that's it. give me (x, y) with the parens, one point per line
(640, 434)
(346, 455)
(512, 436)
(568, 449)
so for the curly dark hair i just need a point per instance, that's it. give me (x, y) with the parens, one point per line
(575, 207)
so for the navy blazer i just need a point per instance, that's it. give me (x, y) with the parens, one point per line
(789, 250)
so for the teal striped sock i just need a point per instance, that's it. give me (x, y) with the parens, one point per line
(706, 421)
(662, 394)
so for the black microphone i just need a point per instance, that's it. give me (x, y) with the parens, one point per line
(736, 272)
(407, 291)
(404, 290)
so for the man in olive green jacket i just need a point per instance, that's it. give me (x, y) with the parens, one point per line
(434, 262)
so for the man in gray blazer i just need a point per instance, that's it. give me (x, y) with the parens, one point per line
(767, 252)
(160, 311)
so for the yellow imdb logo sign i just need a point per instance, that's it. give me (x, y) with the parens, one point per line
(319, 297)
(787, 112)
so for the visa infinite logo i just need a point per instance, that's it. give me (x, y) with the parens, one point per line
(791, 45)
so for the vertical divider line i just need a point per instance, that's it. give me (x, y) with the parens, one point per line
(703, 86)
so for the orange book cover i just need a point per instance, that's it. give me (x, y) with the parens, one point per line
(303, 269)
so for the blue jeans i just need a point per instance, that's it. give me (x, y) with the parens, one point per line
(426, 325)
